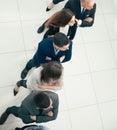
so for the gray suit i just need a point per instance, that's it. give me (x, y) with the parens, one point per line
(28, 107)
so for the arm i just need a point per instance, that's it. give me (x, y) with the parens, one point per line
(68, 53)
(88, 21)
(25, 116)
(46, 118)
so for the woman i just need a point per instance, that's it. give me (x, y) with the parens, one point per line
(46, 77)
(57, 20)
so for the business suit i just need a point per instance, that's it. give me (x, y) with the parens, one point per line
(75, 7)
(46, 51)
(28, 108)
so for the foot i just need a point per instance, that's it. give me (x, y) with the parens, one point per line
(41, 28)
(50, 6)
(24, 73)
(3, 117)
(15, 90)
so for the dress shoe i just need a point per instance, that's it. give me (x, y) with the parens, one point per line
(3, 117)
(41, 28)
(24, 73)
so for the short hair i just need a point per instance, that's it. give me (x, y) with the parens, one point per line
(42, 100)
(60, 39)
(51, 71)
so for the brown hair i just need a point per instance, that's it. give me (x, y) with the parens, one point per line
(60, 18)
(51, 71)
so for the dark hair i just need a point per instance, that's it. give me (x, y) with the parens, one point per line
(51, 71)
(60, 39)
(42, 100)
(60, 18)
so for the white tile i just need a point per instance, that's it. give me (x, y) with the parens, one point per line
(62, 122)
(11, 37)
(100, 56)
(108, 6)
(79, 91)
(33, 9)
(8, 11)
(114, 47)
(105, 85)
(86, 118)
(110, 21)
(99, 7)
(98, 32)
(62, 100)
(31, 37)
(13, 125)
(11, 65)
(109, 115)
(78, 63)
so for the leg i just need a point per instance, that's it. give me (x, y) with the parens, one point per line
(42, 27)
(51, 31)
(11, 110)
(18, 84)
(28, 66)
(51, 5)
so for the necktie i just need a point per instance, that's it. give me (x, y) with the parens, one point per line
(82, 12)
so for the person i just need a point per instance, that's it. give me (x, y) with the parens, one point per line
(46, 77)
(51, 5)
(59, 19)
(37, 107)
(57, 48)
(84, 11)
(33, 127)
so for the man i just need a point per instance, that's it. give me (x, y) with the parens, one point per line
(33, 127)
(36, 107)
(84, 11)
(57, 48)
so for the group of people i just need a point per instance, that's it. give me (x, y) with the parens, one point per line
(42, 104)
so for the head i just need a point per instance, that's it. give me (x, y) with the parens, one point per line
(51, 71)
(42, 100)
(61, 41)
(87, 4)
(61, 18)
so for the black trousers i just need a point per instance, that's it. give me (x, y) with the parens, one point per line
(57, 1)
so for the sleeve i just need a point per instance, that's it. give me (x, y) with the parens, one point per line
(46, 118)
(33, 80)
(42, 52)
(68, 53)
(92, 15)
(25, 115)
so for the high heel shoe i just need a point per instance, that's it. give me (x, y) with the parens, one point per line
(15, 92)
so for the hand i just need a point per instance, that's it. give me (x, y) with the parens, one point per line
(50, 113)
(89, 19)
(62, 58)
(48, 58)
(33, 118)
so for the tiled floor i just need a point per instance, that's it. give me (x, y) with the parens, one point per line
(88, 100)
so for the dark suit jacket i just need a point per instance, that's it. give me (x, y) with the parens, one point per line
(46, 49)
(28, 107)
(75, 7)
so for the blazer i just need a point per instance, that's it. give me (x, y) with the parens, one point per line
(28, 107)
(46, 50)
(75, 7)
